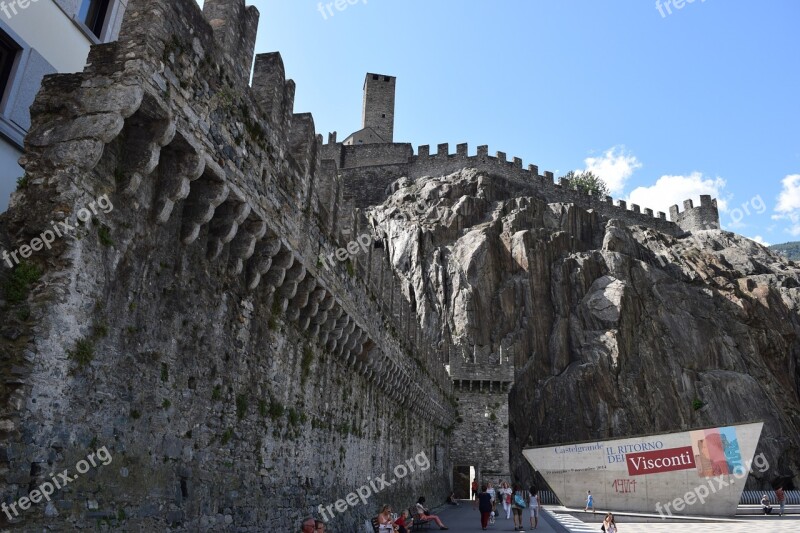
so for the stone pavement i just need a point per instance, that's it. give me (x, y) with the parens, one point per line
(465, 519)
(742, 524)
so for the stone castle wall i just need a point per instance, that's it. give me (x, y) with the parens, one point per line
(705, 216)
(480, 437)
(370, 168)
(264, 383)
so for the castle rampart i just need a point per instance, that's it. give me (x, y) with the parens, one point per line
(367, 170)
(205, 282)
(481, 389)
(705, 216)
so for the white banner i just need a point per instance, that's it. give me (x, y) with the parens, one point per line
(700, 472)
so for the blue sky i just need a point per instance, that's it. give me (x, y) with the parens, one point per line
(665, 104)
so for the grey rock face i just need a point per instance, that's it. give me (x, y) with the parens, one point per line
(612, 329)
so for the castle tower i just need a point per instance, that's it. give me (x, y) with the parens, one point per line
(377, 112)
(378, 107)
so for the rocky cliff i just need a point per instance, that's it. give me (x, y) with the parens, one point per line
(614, 330)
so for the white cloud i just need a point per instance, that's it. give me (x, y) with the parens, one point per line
(615, 166)
(759, 239)
(673, 190)
(788, 207)
(789, 198)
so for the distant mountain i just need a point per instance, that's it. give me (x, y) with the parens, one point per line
(791, 250)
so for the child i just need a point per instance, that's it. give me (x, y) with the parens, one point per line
(404, 522)
(534, 507)
(589, 501)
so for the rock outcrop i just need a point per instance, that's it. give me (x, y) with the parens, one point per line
(613, 330)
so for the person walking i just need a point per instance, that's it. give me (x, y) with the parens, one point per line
(534, 507)
(589, 502)
(474, 488)
(505, 496)
(493, 494)
(484, 500)
(519, 501)
(780, 497)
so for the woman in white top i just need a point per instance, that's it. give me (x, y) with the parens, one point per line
(609, 524)
(533, 505)
(505, 495)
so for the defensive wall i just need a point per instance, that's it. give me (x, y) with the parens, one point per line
(193, 331)
(368, 170)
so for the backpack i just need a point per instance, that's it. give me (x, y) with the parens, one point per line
(519, 500)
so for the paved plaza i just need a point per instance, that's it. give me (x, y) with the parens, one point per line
(466, 519)
(554, 519)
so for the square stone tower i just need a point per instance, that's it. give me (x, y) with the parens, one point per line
(378, 108)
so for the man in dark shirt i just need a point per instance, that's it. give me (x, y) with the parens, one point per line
(781, 497)
(484, 506)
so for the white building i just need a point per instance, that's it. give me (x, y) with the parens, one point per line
(40, 37)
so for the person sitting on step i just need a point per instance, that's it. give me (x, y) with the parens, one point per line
(425, 512)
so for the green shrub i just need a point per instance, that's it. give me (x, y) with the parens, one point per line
(216, 394)
(275, 410)
(305, 363)
(104, 234)
(100, 330)
(697, 404)
(588, 181)
(226, 437)
(24, 314)
(19, 282)
(294, 417)
(241, 406)
(83, 352)
(272, 323)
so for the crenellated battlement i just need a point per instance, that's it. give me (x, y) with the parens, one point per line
(399, 160)
(209, 263)
(235, 27)
(704, 216)
(185, 136)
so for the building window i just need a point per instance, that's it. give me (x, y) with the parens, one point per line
(93, 14)
(8, 53)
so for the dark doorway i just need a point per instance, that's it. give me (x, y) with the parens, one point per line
(461, 482)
